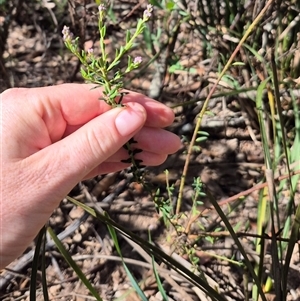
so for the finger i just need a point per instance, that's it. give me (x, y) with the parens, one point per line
(149, 141)
(157, 141)
(158, 114)
(162, 145)
(79, 103)
(148, 159)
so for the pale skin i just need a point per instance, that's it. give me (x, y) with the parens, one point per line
(54, 137)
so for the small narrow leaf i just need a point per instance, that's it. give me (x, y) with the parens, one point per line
(200, 139)
(103, 31)
(128, 36)
(156, 3)
(170, 5)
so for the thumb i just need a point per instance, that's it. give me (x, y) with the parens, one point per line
(63, 164)
(47, 176)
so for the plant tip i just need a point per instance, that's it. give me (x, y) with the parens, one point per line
(148, 12)
(67, 34)
(101, 7)
(137, 60)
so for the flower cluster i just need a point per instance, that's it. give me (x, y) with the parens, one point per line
(67, 34)
(137, 60)
(148, 12)
(101, 7)
(102, 14)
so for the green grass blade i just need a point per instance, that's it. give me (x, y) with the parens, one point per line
(157, 278)
(134, 283)
(296, 146)
(44, 274)
(158, 281)
(263, 217)
(73, 264)
(279, 111)
(260, 112)
(294, 237)
(261, 226)
(132, 280)
(35, 265)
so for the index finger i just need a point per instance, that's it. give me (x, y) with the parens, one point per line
(80, 103)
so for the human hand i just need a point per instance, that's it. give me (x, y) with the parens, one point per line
(54, 137)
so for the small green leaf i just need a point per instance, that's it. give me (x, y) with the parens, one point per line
(176, 66)
(209, 239)
(122, 49)
(170, 5)
(209, 113)
(103, 31)
(117, 53)
(111, 15)
(112, 65)
(192, 70)
(203, 133)
(200, 139)
(156, 3)
(147, 38)
(84, 74)
(129, 60)
(127, 36)
(238, 64)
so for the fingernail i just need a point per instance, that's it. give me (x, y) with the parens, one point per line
(129, 120)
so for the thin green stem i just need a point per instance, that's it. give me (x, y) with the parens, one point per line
(129, 44)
